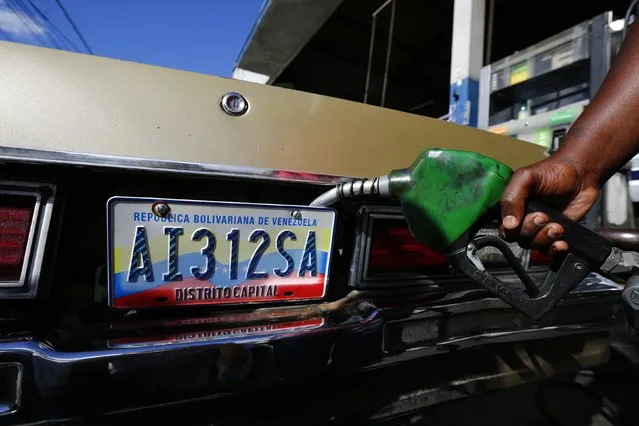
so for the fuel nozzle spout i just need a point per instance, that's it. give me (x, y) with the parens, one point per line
(354, 189)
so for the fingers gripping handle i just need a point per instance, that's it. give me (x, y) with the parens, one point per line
(582, 241)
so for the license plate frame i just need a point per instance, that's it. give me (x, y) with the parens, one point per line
(119, 230)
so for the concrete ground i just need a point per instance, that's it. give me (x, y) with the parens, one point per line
(605, 396)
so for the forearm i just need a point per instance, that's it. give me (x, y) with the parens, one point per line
(606, 135)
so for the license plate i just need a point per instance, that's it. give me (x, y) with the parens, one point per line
(216, 253)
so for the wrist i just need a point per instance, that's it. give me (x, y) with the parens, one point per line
(577, 160)
(595, 152)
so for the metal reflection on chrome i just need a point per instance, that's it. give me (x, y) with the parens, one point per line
(228, 333)
(234, 104)
(36, 156)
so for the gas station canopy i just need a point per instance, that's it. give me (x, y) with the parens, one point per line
(324, 46)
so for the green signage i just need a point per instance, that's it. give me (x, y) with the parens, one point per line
(563, 117)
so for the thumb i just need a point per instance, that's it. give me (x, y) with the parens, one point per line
(514, 199)
(582, 203)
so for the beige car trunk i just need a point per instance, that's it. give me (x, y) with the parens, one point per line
(56, 102)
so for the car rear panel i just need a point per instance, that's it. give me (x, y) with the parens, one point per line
(80, 130)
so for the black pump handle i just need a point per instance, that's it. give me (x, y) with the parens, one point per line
(587, 251)
(582, 241)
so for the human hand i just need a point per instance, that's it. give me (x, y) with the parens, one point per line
(558, 182)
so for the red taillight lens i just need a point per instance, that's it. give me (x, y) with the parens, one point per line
(16, 214)
(393, 250)
(537, 258)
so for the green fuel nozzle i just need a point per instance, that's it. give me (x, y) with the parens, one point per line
(445, 192)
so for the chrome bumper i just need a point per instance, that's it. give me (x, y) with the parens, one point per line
(341, 349)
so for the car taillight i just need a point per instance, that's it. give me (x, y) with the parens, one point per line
(386, 254)
(393, 250)
(16, 216)
(26, 210)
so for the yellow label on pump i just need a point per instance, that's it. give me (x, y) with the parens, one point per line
(519, 73)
